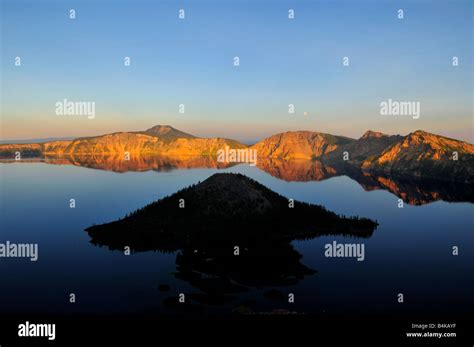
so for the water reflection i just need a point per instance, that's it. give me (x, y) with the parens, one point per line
(225, 279)
(411, 191)
(234, 235)
(138, 163)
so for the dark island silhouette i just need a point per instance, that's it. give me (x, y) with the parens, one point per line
(223, 212)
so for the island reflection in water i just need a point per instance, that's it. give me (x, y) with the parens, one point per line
(110, 281)
(234, 235)
(410, 190)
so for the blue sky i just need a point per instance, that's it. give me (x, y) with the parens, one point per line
(282, 61)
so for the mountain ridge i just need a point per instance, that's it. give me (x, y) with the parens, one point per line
(420, 153)
(301, 144)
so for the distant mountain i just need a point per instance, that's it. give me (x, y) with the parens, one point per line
(419, 154)
(166, 132)
(40, 140)
(163, 140)
(299, 145)
(425, 155)
(371, 144)
(32, 150)
(209, 213)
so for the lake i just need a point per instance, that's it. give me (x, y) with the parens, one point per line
(409, 253)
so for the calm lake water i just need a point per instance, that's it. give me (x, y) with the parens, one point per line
(409, 253)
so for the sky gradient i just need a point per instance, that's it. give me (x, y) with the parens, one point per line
(190, 61)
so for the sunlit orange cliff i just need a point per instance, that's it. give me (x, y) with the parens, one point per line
(418, 154)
